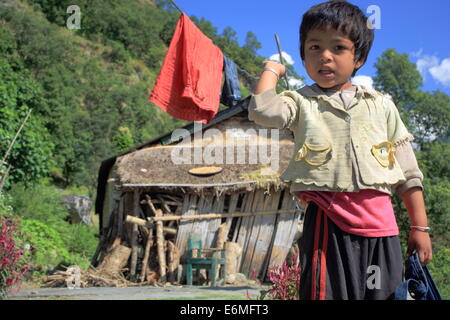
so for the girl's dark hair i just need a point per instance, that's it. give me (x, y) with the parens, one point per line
(342, 16)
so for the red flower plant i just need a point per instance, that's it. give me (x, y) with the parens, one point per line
(11, 268)
(285, 281)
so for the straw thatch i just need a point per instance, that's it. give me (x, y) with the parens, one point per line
(231, 145)
(154, 166)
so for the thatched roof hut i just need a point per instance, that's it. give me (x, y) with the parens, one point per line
(248, 159)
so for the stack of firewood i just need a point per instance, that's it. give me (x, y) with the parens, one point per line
(89, 278)
(145, 252)
(161, 259)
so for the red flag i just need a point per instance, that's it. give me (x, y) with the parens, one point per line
(189, 84)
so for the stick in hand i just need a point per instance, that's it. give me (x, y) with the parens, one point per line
(282, 61)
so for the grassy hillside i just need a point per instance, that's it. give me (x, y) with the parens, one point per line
(93, 83)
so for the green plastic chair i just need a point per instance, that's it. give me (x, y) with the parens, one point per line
(199, 258)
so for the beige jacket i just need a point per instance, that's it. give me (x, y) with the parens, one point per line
(337, 148)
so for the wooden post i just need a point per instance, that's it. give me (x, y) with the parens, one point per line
(173, 261)
(134, 235)
(160, 246)
(159, 240)
(147, 254)
(166, 207)
(221, 235)
(120, 218)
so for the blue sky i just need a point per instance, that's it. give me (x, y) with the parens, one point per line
(418, 28)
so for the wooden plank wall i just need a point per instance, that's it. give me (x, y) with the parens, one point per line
(214, 225)
(251, 230)
(266, 230)
(193, 205)
(265, 240)
(185, 227)
(284, 232)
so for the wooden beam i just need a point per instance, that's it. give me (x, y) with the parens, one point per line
(152, 220)
(148, 224)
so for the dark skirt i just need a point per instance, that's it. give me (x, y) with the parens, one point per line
(336, 265)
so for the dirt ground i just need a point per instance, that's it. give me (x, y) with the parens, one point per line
(137, 293)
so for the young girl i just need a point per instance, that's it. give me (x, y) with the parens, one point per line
(351, 151)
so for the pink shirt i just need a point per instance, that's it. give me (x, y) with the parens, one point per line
(367, 213)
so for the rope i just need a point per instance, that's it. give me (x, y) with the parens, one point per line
(177, 7)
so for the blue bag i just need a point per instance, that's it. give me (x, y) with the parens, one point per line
(418, 284)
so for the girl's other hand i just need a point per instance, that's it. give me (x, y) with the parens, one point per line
(420, 242)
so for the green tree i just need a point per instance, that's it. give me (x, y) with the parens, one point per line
(29, 159)
(123, 140)
(433, 159)
(252, 44)
(426, 114)
(398, 76)
(427, 117)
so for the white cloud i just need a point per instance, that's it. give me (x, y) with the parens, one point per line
(441, 72)
(296, 83)
(417, 54)
(431, 64)
(365, 81)
(426, 62)
(286, 56)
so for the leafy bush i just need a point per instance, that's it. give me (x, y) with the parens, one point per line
(5, 204)
(437, 199)
(81, 242)
(47, 247)
(55, 240)
(439, 268)
(40, 202)
(12, 265)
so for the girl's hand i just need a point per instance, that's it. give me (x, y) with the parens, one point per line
(281, 69)
(269, 80)
(420, 242)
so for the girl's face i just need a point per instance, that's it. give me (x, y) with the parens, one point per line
(330, 58)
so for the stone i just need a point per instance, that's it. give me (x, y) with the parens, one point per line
(79, 207)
